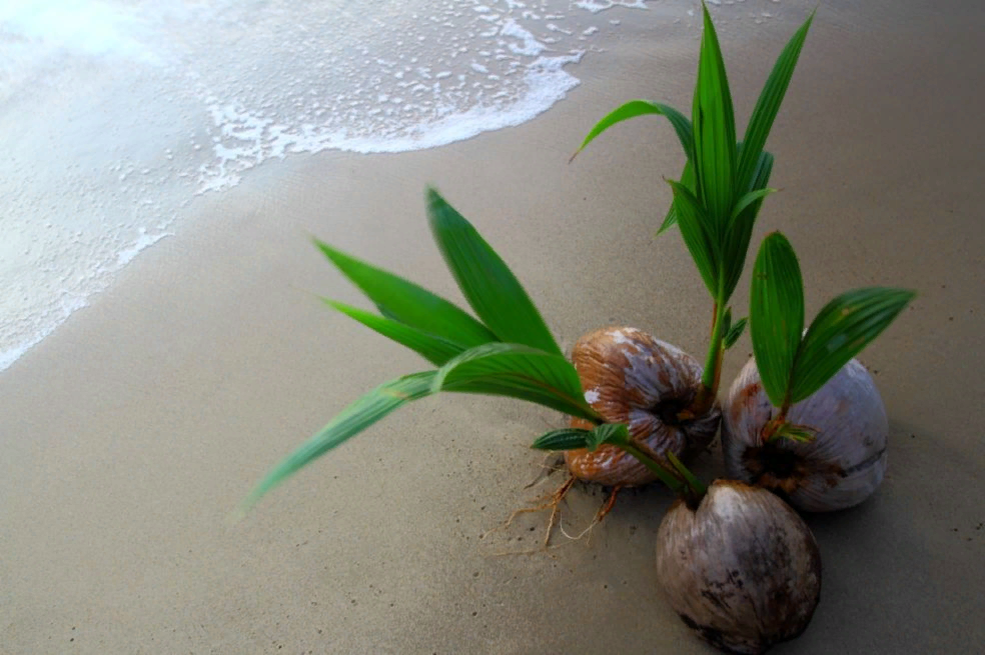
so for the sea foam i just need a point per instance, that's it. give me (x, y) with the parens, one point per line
(115, 114)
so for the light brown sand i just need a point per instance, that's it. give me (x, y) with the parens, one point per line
(129, 434)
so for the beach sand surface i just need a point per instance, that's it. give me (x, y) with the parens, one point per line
(131, 434)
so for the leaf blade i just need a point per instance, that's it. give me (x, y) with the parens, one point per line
(608, 433)
(518, 371)
(365, 411)
(486, 281)
(634, 108)
(688, 181)
(776, 315)
(739, 233)
(404, 301)
(713, 121)
(768, 104)
(734, 333)
(843, 327)
(695, 230)
(433, 348)
(562, 439)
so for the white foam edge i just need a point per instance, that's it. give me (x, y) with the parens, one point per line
(68, 302)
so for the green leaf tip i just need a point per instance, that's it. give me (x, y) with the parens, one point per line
(490, 287)
(352, 420)
(634, 108)
(403, 301)
(796, 433)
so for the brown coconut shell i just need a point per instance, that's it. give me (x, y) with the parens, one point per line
(630, 377)
(742, 569)
(841, 467)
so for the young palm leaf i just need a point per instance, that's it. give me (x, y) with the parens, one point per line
(574, 438)
(697, 230)
(673, 474)
(733, 333)
(714, 131)
(352, 420)
(687, 181)
(520, 372)
(776, 314)
(768, 104)
(793, 368)
(471, 358)
(563, 439)
(485, 280)
(739, 231)
(759, 179)
(432, 348)
(840, 331)
(635, 108)
(409, 303)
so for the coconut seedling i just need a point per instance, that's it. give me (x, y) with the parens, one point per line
(505, 350)
(736, 563)
(715, 204)
(804, 418)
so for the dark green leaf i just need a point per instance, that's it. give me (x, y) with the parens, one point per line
(563, 439)
(714, 131)
(635, 108)
(748, 199)
(726, 322)
(519, 371)
(776, 314)
(736, 246)
(734, 333)
(608, 433)
(696, 232)
(840, 331)
(486, 281)
(434, 349)
(688, 182)
(351, 421)
(404, 301)
(769, 102)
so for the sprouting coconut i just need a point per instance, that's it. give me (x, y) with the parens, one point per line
(630, 377)
(843, 462)
(803, 418)
(668, 400)
(739, 567)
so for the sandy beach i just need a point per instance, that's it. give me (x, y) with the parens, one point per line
(132, 432)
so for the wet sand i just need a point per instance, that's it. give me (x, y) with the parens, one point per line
(132, 432)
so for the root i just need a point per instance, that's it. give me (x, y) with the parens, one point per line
(554, 504)
(601, 514)
(609, 504)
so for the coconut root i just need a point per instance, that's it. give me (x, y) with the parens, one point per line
(554, 504)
